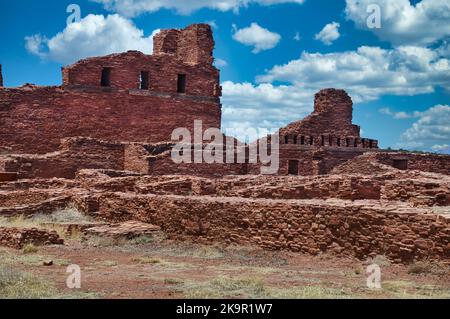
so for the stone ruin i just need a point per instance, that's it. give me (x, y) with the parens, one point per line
(101, 142)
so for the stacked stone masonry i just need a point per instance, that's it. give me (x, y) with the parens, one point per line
(102, 143)
(19, 237)
(344, 215)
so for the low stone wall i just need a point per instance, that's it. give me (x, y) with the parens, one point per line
(384, 162)
(19, 237)
(45, 207)
(74, 154)
(424, 192)
(421, 162)
(298, 225)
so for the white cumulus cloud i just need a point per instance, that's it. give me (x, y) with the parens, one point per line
(246, 105)
(403, 23)
(441, 148)
(430, 132)
(256, 36)
(367, 74)
(132, 8)
(220, 63)
(94, 35)
(329, 33)
(399, 115)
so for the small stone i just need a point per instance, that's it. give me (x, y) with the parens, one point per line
(48, 263)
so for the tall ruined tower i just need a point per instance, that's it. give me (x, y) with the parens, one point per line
(332, 115)
(193, 45)
(1, 77)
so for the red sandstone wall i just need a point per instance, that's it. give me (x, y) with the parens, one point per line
(312, 160)
(201, 80)
(136, 158)
(34, 120)
(193, 44)
(74, 154)
(305, 226)
(18, 237)
(422, 162)
(164, 165)
(383, 162)
(333, 114)
(422, 192)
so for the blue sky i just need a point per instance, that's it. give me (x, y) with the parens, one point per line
(273, 55)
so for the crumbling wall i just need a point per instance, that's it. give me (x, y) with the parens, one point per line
(333, 114)
(18, 237)
(35, 119)
(420, 192)
(74, 154)
(383, 162)
(306, 226)
(163, 164)
(421, 162)
(136, 158)
(1, 76)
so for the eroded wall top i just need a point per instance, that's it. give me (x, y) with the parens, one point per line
(182, 62)
(333, 114)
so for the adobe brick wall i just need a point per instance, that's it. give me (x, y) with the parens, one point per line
(297, 225)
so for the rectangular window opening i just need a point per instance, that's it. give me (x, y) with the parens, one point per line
(293, 167)
(401, 164)
(144, 80)
(181, 86)
(106, 77)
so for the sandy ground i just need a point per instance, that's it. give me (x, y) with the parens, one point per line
(166, 269)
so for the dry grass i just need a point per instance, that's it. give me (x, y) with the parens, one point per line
(13, 258)
(16, 284)
(256, 288)
(410, 290)
(427, 268)
(147, 260)
(125, 244)
(19, 285)
(49, 222)
(30, 249)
